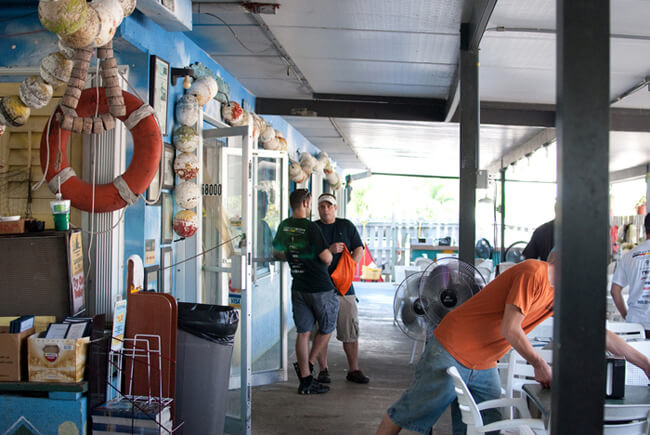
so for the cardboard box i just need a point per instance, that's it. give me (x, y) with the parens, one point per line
(13, 355)
(57, 359)
(12, 227)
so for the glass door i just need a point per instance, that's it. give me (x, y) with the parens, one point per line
(270, 304)
(245, 199)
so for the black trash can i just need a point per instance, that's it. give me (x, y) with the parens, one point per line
(205, 339)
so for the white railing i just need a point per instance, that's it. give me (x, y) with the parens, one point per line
(387, 240)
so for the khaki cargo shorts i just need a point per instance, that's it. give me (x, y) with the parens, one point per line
(347, 324)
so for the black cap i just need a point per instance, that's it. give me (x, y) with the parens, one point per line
(646, 223)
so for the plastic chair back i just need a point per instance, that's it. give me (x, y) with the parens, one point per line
(468, 409)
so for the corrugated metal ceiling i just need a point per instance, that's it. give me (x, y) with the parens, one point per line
(409, 48)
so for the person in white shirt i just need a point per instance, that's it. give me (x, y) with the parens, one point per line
(633, 270)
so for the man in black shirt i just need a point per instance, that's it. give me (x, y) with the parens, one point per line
(341, 234)
(300, 242)
(541, 242)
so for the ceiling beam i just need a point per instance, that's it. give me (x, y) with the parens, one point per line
(541, 139)
(543, 115)
(389, 108)
(433, 110)
(476, 26)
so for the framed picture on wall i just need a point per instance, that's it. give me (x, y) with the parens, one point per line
(166, 218)
(165, 279)
(151, 278)
(153, 192)
(169, 153)
(159, 90)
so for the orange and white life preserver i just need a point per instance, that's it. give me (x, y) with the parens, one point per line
(124, 190)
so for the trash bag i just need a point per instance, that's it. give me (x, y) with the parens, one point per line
(216, 323)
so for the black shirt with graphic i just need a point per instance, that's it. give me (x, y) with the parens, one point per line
(342, 230)
(301, 241)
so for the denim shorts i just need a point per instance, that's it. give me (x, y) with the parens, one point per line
(432, 391)
(308, 308)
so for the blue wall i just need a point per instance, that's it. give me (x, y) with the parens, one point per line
(137, 38)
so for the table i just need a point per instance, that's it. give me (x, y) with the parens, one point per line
(633, 406)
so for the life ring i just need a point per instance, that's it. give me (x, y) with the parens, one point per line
(124, 190)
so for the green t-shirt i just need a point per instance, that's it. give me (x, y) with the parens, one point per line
(301, 241)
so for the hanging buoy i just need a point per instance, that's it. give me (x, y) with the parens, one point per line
(185, 223)
(124, 190)
(185, 139)
(186, 165)
(187, 194)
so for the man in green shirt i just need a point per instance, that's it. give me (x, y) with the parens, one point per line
(313, 296)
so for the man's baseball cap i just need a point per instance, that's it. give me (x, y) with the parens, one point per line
(327, 197)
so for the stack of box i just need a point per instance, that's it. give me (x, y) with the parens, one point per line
(13, 356)
(57, 359)
(122, 415)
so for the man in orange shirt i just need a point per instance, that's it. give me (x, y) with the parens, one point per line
(473, 337)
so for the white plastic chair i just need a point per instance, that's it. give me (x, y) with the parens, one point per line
(542, 332)
(422, 263)
(627, 331)
(471, 412)
(633, 374)
(519, 372)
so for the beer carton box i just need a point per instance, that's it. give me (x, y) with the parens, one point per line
(57, 359)
(13, 355)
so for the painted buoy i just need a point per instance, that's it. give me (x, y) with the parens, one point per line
(267, 134)
(186, 165)
(185, 223)
(187, 110)
(204, 89)
(187, 194)
(234, 115)
(185, 139)
(110, 16)
(128, 6)
(283, 143)
(85, 36)
(62, 17)
(296, 174)
(56, 69)
(35, 93)
(258, 124)
(67, 52)
(13, 111)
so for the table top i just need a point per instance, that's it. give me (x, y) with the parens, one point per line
(635, 404)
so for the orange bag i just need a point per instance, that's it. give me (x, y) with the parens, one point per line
(344, 272)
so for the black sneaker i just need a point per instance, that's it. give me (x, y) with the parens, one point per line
(309, 385)
(324, 377)
(296, 367)
(358, 377)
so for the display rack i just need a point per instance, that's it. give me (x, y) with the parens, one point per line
(145, 350)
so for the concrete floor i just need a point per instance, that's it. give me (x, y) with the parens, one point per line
(348, 408)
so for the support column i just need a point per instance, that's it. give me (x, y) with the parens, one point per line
(469, 137)
(582, 222)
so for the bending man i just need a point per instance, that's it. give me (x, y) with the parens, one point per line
(474, 336)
